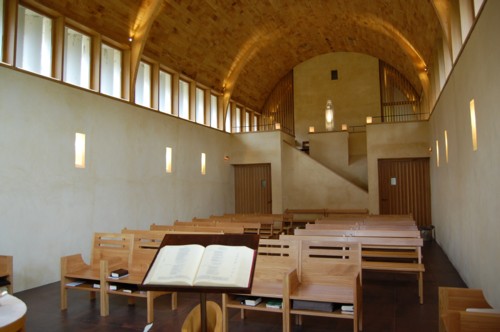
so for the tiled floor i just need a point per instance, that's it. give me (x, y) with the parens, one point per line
(390, 305)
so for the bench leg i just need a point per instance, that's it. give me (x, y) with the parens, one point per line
(150, 306)
(64, 296)
(174, 300)
(421, 287)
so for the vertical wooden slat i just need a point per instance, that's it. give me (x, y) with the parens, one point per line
(250, 194)
(411, 194)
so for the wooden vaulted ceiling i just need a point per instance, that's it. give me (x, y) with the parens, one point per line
(244, 47)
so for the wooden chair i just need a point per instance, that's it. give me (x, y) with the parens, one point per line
(453, 316)
(329, 272)
(114, 249)
(7, 272)
(146, 244)
(192, 323)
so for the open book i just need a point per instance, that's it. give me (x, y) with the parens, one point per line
(195, 265)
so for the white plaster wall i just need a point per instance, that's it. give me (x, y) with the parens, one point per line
(393, 140)
(50, 209)
(465, 190)
(355, 95)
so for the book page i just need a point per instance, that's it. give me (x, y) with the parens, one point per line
(226, 266)
(175, 265)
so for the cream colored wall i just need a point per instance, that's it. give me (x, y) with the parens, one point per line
(262, 148)
(355, 94)
(50, 209)
(334, 149)
(308, 184)
(465, 190)
(398, 140)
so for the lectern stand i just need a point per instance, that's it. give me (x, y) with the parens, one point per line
(248, 240)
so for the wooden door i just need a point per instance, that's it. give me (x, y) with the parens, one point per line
(404, 188)
(252, 187)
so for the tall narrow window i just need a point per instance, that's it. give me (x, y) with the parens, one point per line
(228, 118)
(255, 123)
(111, 71)
(79, 150)
(203, 164)
(76, 58)
(247, 122)
(237, 119)
(34, 42)
(168, 160)
(143, 85)
(165, 92)
(1, 29)
(183, 99)
(214, 123)
(200, 105)
(473, 124)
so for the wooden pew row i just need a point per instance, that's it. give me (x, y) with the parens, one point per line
(146, 244)
(7, 272)
(388, 254)
(453, 314)
(275, 258)
(76, 274)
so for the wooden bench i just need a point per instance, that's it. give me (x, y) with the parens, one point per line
(275, 259)
(453, 316)
(384, 254)
(113, 249)
(146, 244)
(7, 273)
(329, 272)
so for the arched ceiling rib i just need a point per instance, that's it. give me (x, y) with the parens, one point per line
(244, 47)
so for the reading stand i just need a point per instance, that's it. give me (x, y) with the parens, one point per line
(248, 240)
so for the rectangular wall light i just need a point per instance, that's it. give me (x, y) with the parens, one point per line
(203, 164)
(473, 124)
(437, 153)
(446, 145)
(79, 150)
(168, 160)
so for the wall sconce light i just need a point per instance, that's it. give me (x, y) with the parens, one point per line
(311, 129)
(369, 119)
(344, 127)
(226, 157)
(168, 160)
(437, 153)
(277, 126)
(446, 145)
(79, 150)
(203, 164)
(473, 124)
(329, 116)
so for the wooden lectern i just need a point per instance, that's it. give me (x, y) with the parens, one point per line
(248, 240)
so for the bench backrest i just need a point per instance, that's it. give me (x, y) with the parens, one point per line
(365, 241)
(275, 258)
(323, 261)
(359, 232)
(107, 246)
(198, 229)
(146, 244)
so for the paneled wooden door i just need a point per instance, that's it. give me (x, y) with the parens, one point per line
(404, 188)
(252, 187)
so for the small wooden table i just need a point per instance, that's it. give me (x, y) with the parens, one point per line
(12, 314)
